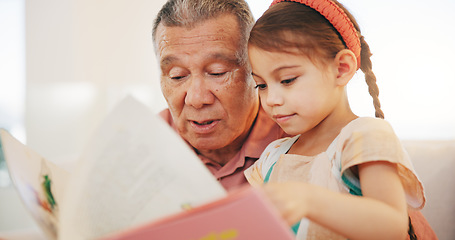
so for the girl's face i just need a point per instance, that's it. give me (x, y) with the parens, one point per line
(295, 93)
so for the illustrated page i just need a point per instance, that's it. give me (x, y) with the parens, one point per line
(39, 182)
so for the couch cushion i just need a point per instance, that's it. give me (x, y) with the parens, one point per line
(434, 162)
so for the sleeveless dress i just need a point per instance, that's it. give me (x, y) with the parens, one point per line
(362, 140)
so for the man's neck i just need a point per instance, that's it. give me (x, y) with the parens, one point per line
(223, 155)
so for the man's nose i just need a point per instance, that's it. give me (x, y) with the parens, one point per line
(198, 93)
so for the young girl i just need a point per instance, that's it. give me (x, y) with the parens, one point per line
(341, 176)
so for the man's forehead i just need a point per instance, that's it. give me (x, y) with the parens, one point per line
(208, 57)
(172, 40)
(173, 47)
(221, 29)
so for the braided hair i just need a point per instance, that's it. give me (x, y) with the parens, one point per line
(314, 36)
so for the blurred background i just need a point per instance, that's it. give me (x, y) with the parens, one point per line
(65, 63)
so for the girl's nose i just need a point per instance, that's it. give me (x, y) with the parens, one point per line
(273, 97)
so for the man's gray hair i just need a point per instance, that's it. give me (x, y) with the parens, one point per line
(188, 13)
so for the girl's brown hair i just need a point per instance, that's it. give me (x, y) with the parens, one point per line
(287, 26)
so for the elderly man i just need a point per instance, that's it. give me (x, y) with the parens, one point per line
(206, 81)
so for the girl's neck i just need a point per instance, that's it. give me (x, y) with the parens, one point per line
(320, 137)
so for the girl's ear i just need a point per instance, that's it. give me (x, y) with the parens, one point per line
(346, 64)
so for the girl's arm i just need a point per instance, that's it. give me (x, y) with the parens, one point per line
(380, 214)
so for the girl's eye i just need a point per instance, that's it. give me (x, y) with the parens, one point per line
(288, 81)
(261, 86)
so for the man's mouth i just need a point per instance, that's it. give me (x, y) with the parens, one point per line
(204, 127)
(203, 123)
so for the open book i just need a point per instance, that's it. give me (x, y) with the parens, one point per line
(136, 174)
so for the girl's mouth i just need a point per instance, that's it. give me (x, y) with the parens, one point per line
(280, 119)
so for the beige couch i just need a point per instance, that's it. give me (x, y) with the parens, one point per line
(434, 162)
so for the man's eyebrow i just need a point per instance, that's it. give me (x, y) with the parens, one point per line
(167, 61)
(226, 58)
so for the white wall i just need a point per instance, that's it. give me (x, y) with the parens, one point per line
(413, 48)
(82, 57)
(12, 67)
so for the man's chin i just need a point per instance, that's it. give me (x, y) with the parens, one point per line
(207, 144)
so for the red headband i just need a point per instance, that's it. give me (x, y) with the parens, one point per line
(338, 18)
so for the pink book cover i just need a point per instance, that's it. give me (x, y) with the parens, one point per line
(244, 214)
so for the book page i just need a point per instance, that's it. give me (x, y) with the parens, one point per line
(39, 182)
(135, 169)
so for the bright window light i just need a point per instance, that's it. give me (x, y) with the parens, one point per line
(413, 47)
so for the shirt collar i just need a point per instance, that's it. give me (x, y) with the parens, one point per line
(263, 132)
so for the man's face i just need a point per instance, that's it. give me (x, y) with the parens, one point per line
(210, 94)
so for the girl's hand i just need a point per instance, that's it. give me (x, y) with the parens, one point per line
(381, 213)
(290, 198)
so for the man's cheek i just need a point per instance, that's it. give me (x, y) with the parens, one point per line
(170, 94)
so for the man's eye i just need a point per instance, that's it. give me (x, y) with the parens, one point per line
(218, 74)
(176, 77)
(178, 73)
(261, 86)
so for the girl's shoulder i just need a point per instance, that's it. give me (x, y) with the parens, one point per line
(368, 134)
(367, 126)
(369, 139)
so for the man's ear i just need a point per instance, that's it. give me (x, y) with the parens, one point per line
(346, 64)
